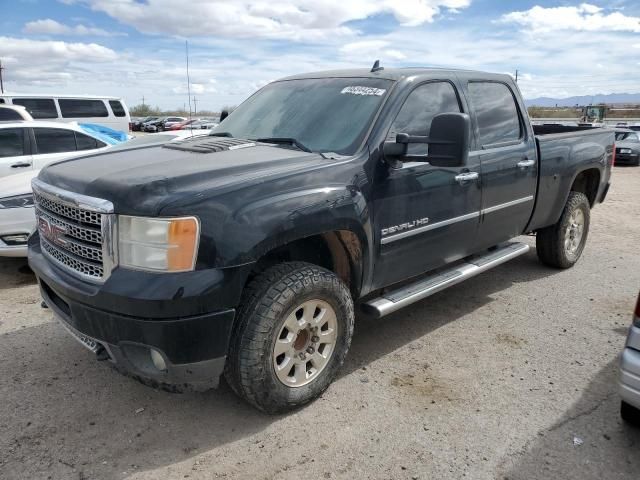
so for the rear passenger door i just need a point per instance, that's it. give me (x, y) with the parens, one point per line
(508, 161)
(15, 151)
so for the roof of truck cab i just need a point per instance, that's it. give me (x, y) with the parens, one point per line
(394, 73)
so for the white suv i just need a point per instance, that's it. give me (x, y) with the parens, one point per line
(14, 113)
(30, 145)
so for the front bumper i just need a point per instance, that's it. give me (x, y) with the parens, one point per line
(630, 369)
(16, 221)
(185, 318)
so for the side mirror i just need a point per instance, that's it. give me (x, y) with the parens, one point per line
(224, 114)
(448, 142)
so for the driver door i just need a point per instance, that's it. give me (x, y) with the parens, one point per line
(425, 216)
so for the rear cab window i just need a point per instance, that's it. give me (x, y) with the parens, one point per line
(496, 113)
(12, 142)
(39, 108)
(82, 108)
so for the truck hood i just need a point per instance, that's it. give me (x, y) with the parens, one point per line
(142, 180)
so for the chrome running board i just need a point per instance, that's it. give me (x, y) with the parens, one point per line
(396, 299)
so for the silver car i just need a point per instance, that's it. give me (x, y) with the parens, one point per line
(630, 372)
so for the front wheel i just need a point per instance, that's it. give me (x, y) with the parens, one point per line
(630, 414)
(561, 245)
(293, 331)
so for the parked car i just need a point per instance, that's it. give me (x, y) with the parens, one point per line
(630, 372)
(108, 111)
(17, 217)
(183, 125)
(162, 124)
(13, 113)
(137, 125)
(31, 145)
(627, 147)
(320, 193)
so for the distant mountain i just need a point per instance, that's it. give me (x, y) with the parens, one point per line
(584, 100)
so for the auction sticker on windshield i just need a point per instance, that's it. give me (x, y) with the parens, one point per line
(369, 91)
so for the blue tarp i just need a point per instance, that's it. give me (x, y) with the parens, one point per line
(106, 134)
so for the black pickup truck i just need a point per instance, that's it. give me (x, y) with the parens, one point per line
(246, 252)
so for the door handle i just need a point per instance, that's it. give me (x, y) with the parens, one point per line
(21, 165)
(526, 163)
(466, 177)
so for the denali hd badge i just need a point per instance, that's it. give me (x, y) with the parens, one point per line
(405, 226)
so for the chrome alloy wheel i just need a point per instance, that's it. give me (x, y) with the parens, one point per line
(305, 343)
(574, 233)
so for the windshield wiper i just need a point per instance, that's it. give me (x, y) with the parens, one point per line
(221, 134)
(289, 140)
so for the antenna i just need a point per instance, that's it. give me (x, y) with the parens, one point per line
(376, 66)
(1, 82)
(516, 75)
(186, 44)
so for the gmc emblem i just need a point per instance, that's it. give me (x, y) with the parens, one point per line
(53, 233)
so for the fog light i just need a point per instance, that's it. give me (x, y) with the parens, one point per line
(15, 240)
(157, 360)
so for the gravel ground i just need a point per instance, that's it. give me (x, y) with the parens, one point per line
(493, 378)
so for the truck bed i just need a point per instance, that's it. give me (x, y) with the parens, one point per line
(563, 152)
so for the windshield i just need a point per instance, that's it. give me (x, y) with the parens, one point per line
(323, 114)
(627, 136)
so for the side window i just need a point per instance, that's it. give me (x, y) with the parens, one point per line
(496, 112)
(11, 142)
(117, 108)
(80, 108)
(422, 104)
(55, 140)
(8, 114)
(38, 107)
(85, 142)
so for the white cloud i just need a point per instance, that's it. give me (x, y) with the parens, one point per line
(371, 49)
(300, 20)
(584, 17)
(48, 26)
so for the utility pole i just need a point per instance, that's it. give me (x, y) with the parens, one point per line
(195, 105)
(1, 82)
(143, 100)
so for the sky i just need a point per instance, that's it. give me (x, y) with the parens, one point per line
(136, 48)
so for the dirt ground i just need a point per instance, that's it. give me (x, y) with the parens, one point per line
(511, 375)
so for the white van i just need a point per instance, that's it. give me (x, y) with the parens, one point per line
(108, 111)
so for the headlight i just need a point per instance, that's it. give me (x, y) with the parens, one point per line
(625, 150)
(17, 202)
(158, 244)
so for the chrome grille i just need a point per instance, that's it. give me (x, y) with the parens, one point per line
(75, 231)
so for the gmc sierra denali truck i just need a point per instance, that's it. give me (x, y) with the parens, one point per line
(244, 252)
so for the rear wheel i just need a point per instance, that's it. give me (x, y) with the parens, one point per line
(630, 414)
(293, 331)
(561, 245)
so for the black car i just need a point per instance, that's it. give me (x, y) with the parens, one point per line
(137, 125)
(627, 147)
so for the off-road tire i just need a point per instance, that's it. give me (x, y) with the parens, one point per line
(550, 241)
(630, 414)
(268, 299)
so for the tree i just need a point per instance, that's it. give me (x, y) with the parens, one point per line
(143, 110)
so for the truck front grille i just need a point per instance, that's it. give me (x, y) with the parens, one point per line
(75, 231)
